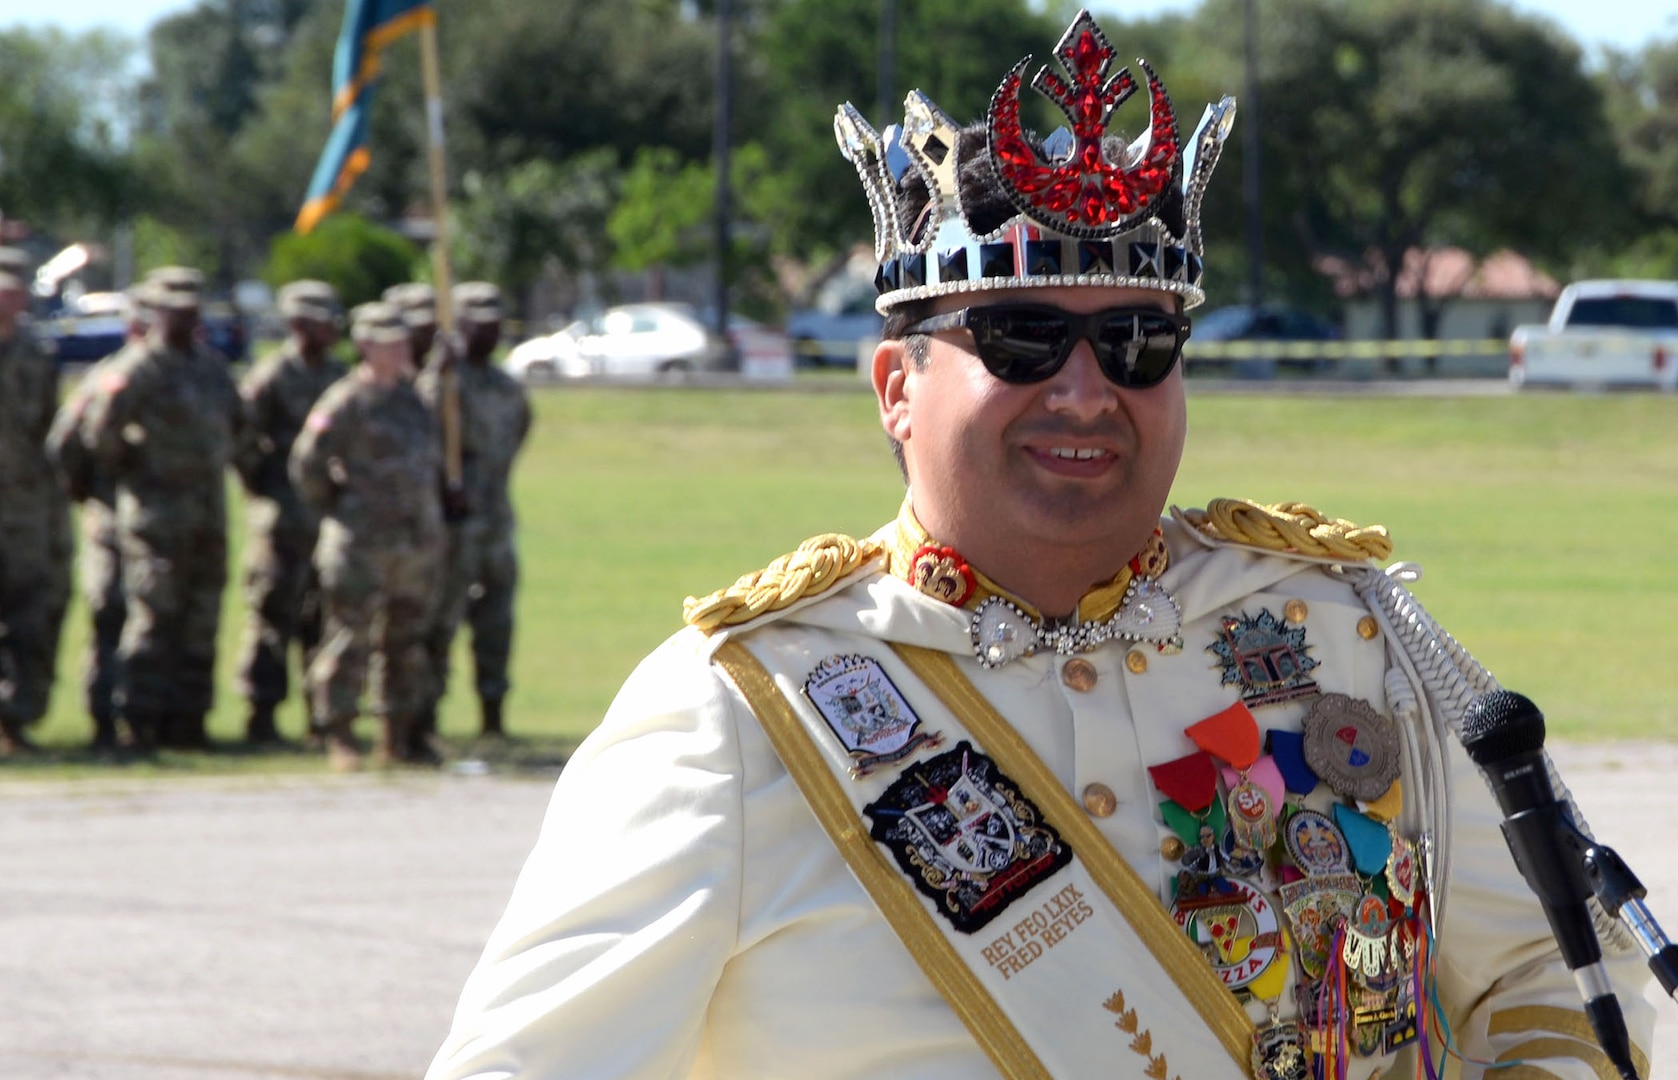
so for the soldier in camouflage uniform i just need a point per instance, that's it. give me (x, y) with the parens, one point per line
(29, 501)
(417, 302)
(367, 462)
(280, 591)
(481, 576)
(99, 566)
(162, 422)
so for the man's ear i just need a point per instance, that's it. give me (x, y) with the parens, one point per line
(891, 387)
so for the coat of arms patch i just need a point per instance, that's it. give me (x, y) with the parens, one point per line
(866, 712)
(966, 836)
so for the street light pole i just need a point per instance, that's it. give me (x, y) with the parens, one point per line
(1252, 188)
(720, 159)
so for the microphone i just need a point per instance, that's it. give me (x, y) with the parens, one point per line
(1504, 733)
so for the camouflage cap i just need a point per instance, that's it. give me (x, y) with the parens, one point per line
(416, 300)
(307, 299)
(378, 322)
(15, 269)
(177, 288)
(477, 302)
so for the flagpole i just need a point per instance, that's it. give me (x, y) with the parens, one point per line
(431, 71)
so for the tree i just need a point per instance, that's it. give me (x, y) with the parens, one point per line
(819, 53)
(360, 259)
(63, 161)
(665, 215)
(1391, 125)
(514, 226)
(1642, 92)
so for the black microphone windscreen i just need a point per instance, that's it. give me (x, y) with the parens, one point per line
(1499, 725)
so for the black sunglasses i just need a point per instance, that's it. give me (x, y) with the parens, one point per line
(1027, 343)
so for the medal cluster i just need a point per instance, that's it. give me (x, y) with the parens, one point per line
(1293, 836)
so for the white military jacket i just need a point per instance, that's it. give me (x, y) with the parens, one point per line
(685, 914)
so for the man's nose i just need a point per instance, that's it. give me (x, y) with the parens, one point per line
(1080, 389)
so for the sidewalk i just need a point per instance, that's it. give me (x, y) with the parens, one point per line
(321, 929)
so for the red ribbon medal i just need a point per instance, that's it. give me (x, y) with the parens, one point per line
(1191, 782)
(1233, 735)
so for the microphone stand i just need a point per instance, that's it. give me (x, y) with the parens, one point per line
(1621, 894)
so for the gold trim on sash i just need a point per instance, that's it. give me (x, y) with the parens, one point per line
(897, 901)
(1591, 1055)
(1554, 1019)
(1224, 1015)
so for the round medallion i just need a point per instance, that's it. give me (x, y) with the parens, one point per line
(1316, 844)
(1295, 611)
(1239, 860)
(1079, 674)
(1353, 748)
(1136, 662)
(1368, 629)
(1236, 927)
(1171, 849)
(1279, 1052)
(1099, 800)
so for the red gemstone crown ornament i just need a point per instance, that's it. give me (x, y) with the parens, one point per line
(1090, 207)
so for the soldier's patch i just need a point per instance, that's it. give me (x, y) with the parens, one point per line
(965, 836)
(1265, 657)
(866, 712)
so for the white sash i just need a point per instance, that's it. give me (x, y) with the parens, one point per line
(1083, 974)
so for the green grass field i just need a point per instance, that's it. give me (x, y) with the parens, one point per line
(1546, 524)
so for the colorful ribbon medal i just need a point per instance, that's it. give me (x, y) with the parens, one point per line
(1191, 808)
(1233, 736)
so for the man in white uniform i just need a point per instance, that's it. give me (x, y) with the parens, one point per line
(1034, 782)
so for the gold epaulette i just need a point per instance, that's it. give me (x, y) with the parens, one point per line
(813, 568)
(1290, 527)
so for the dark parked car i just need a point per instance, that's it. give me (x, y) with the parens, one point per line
(89, 328)
(1266, 322)
(829, 334)
(97, 326)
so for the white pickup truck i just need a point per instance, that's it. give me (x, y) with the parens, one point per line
(1602, 333)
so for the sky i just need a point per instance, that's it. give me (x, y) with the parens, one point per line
(1632, 24)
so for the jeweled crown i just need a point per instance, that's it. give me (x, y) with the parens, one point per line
(1090, 208)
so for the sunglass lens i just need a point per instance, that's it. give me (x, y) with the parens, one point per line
(1137, 349)
(1019, 345)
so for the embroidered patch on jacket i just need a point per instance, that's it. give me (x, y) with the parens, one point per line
(941, 573)
(966, 836)
(866, 711)
(1265, 657)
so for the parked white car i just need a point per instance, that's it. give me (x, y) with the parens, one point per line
(1602, 333)
(549, 356)
(648, 340)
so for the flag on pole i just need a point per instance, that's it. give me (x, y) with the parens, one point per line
(369, 26)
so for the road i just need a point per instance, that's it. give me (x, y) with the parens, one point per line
(321, 928)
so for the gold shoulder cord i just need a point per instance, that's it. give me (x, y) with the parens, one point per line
(909, 919)
(814, 567)
(1290, 527)
(1224, 1015)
